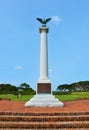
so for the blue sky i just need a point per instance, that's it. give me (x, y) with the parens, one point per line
(68, 41)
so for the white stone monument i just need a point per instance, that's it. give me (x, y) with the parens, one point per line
(44, 97)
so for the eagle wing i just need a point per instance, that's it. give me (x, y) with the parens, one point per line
(40, 20)
(48, 19)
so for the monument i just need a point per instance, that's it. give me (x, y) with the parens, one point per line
(44, 97)
(44, 84)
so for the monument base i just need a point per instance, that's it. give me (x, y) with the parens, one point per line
(44, 100)
(43, 88)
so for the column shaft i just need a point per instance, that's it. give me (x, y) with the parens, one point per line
(43, 55)
(44, 84)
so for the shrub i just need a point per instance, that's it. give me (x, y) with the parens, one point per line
(61, 93)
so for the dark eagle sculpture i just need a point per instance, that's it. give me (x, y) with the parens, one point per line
(43, 21)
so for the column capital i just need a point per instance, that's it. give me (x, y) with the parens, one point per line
(46, 29)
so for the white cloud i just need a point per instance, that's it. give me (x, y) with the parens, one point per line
(56, 19)
(18, 67)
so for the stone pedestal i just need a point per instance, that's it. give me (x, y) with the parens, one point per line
(44, 100)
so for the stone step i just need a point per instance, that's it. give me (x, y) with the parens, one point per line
(45, 125)
(46, 129)
(44, 121)
(45, 113)
(44, 118)
(38, 100)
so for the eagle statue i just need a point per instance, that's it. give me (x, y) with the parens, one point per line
(43, 21)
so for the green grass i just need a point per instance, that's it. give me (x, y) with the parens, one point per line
(73, 96)
(15, 97)
(70, 97)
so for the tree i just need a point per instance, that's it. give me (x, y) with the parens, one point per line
(26, 89)
(64, 87)
(78, 86)
(24, 85)
(8, 89)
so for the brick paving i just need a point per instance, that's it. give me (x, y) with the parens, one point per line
(69, 106)
(73, 113)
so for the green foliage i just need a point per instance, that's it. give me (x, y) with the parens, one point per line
(78, 86)
(25, 89)
(8, 89)
(61, 93)
(24, 85)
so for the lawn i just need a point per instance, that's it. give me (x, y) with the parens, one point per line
(15, 97)
(70, 97)
(73, 96)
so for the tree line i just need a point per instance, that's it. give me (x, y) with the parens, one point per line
(77, 86)
(23, 88)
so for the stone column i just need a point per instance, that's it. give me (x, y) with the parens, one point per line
(43, 54)
(44, 84)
